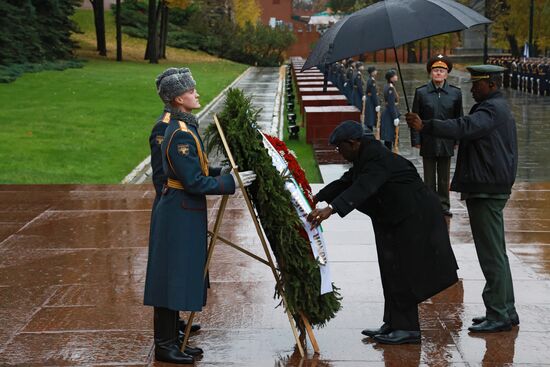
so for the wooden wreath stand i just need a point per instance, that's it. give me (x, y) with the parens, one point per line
(300, 341)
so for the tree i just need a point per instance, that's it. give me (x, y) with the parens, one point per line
(246, 11)
(99, 21)
(511, 24)
(151, 53)
(118, 32)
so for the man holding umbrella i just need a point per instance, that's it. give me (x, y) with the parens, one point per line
(437, 100)
(485, 172)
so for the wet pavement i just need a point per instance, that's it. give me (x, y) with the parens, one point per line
(72, 268)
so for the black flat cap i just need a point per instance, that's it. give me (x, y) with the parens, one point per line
(347, 130)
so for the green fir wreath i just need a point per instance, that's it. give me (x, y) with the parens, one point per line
(298, 269)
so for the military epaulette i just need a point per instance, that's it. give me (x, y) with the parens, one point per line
(183, 126)
(166, 117)
(454, 86)
(422, 86)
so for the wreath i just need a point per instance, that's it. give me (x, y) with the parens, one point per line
(298, 269)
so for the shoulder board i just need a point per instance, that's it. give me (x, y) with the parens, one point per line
(422, 86)
(454, 86)
(183, 126)
(166, 117)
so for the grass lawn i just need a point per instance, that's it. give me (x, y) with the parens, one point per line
(91, 125)
(304, 151)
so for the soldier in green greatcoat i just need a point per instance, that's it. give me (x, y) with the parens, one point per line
(485, 171)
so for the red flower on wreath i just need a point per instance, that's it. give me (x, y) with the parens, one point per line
(293, 165)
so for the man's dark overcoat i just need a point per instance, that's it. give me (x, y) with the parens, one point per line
(411, 233)
(442, 103)
(177, 254)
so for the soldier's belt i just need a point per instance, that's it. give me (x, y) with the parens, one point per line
(174, 184)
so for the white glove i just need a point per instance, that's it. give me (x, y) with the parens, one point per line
(377, 108)
(396, 122)
(247, 177)
(225, 170)
(364, 98)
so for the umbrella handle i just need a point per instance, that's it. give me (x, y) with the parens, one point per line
(401, 78)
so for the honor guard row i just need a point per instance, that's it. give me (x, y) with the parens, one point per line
(529, 75)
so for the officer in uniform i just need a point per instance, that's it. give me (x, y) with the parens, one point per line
(414, 252)
(348, 84)
(390, 116)
(357, 95)
(437, 100)
(372, 104)
(485, 172)
(514, 76)
(177, 253)
(546, 76)
(159, 177)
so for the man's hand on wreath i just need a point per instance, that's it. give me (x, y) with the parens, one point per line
(318, 215)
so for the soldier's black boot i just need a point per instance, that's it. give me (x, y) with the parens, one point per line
(166, 338)
(192, 351)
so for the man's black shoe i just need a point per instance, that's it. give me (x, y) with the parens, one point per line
(194, 327)
(384, 329)
(490, 326)
(172, 354)
(399, 337)
(514, 319)
(193, 351)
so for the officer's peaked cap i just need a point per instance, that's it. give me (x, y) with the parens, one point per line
(479, 72)
(439, 61)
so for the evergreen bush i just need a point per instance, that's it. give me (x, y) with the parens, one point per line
(35, 32)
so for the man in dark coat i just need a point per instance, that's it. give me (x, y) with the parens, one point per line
(485, 171)
(437, 100)
(177, 250)
(414, 252)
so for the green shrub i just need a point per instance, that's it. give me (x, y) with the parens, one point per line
(10, 73)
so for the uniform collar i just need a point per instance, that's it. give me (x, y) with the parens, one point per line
(433, 88)
(186, 117)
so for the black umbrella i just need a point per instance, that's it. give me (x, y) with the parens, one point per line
(390, 24)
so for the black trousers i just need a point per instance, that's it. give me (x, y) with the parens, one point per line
(400, 305)
(437, 177)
